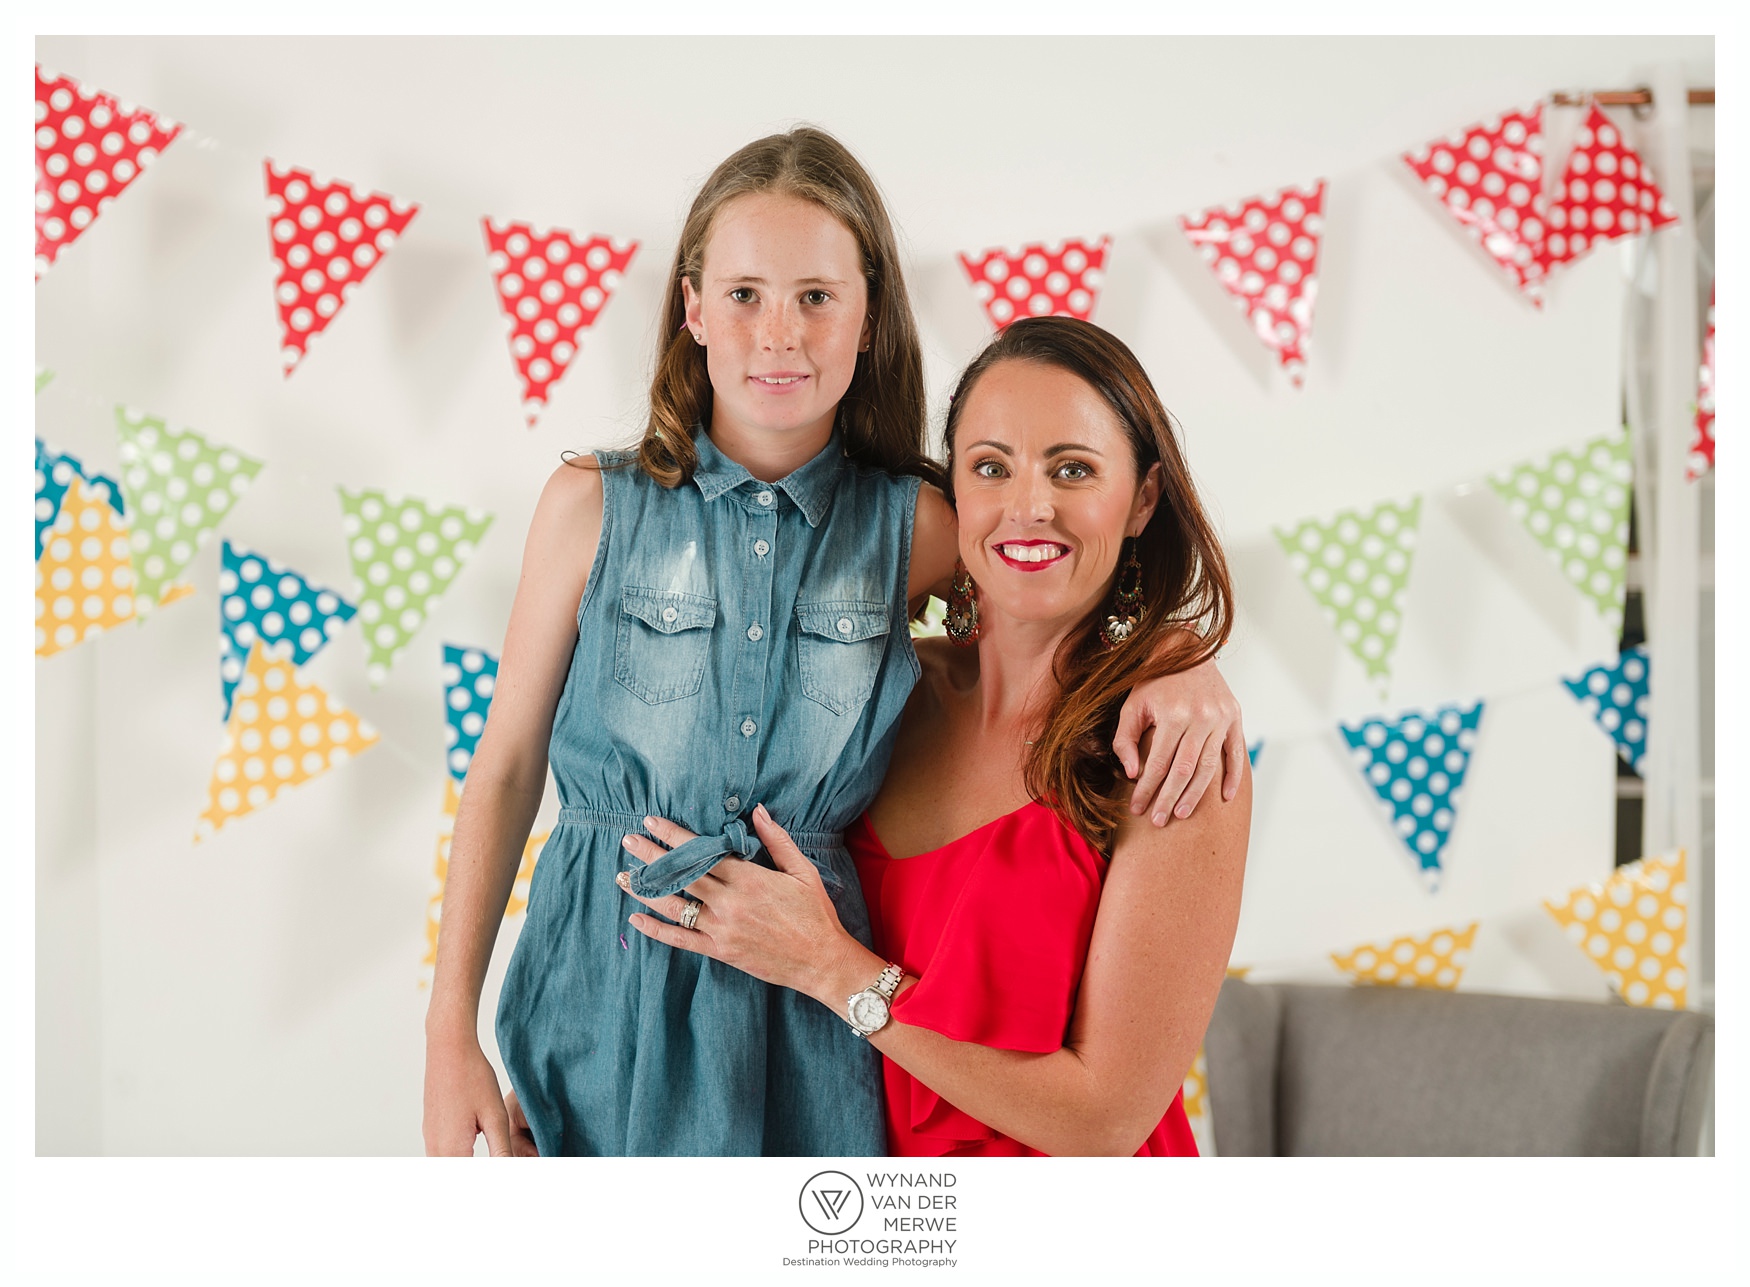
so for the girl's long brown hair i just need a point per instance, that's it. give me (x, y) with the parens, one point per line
(1186, 589)
(881, 416)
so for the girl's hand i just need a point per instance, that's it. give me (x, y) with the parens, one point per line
(1197, 729)
(522, 1139)
(779, 926)
(461, 1100)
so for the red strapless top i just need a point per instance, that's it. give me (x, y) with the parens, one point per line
(995, 926)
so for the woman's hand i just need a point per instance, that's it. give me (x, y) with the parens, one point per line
(779, 926)
(522, 1139)
(461, 1100)
(1197, 729)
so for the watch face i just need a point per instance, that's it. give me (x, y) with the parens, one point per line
(868, 1010)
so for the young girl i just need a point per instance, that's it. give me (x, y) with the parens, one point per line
(713, 622)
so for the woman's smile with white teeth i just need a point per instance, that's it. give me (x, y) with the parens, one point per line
(1033, 553)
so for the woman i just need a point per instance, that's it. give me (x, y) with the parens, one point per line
(1056, 967)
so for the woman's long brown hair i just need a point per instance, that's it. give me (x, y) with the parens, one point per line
(881, 416)
(1186, 589)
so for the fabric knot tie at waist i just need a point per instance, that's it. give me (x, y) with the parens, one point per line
(685, 863)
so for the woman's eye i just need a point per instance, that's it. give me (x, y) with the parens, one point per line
(1074, 471)
(742, 294)
(988, 469)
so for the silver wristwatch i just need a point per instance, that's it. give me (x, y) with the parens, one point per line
(868, 1011)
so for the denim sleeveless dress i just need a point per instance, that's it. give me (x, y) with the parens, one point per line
(739, 643)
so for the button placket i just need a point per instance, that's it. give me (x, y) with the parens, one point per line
(753, 665)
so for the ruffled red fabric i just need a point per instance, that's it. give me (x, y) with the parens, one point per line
(995, 927)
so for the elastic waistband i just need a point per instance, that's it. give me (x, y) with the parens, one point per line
(622, 824)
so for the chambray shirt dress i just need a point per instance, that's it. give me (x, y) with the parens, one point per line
(739, 643)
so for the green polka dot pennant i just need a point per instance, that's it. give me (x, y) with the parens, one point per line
(178, 486)
(1356, 565)
(404, 553)
(1575, 502)
(43, 376)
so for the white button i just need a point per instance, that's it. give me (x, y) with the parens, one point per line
(748, 728)
(669, 614)
(844, 625)
(755, 633)
(764, 498)
(732, 803)
(761, 548)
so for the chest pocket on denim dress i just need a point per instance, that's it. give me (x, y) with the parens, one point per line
(662, 642)
(839, 646)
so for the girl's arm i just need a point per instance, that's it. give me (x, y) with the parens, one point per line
(1156, 959)
(1196, 717)
(506, 779)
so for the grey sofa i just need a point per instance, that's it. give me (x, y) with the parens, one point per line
(1298, 1070)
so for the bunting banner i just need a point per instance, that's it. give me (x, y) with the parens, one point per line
(55, 472)
(179, 487)
(283, 730)
(262, 599)
(1701, 449)
(1357, 564)
(1489, 178)
(1434, 960)
(1617, 697)
(326, 239)
(434, 905)
(89, 148)
(1195, 1097)
(404, 555)
(1253, 751)
(85, 573)
(1059, 279)
(1635, 927)
(1265, 253)
(1575, 503)
(1606, 192)
(552, 287)
(43, 376)
(1416, 765)
(469, 677)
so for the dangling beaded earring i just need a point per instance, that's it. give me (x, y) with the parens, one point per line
(961, 622)
(1127, 605)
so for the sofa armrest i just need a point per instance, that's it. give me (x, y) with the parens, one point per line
(1241, 1050)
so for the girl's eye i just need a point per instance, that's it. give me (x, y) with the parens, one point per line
(816, 297)
(742, 294)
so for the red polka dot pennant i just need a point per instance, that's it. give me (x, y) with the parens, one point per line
(552, 287)
(1059, 279)
(89, 148)
(1265, 252)
(1606, 192)
(1701, 450)
(1490, 178)
(326, 238)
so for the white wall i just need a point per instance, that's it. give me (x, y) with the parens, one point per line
(259, 993)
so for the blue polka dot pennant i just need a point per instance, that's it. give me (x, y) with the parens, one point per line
(55, 473)
(260, 598)
(1416, 764)
(1617, 697)
(469, 677)
(1253, 750)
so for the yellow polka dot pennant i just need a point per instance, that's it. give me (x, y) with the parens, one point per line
(179, 486)
(283, 731)
(1434, 960)
(434, 906)
(404, 554)
(85, 577)
(1635, 927)
(1196, 1093)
